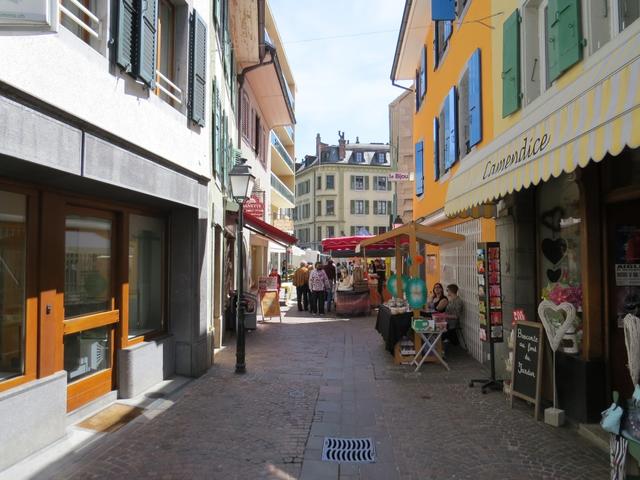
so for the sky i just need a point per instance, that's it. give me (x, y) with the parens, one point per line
(342, 83)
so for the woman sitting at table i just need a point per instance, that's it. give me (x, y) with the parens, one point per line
(437, 301)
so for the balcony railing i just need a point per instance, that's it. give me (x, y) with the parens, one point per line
(94, 26)
(282, 189)
(169, 88)
(275, 141)
(291, 132)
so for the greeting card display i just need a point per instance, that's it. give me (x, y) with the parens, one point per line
(489, 291)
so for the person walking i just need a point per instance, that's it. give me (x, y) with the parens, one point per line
(318, 284)
(301, 282)
(381, 271)
(330, 270)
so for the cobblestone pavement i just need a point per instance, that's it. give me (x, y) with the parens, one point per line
(310, 377)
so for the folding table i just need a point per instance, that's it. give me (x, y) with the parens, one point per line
(430, 339)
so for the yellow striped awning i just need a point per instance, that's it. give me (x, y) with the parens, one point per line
(598, 113)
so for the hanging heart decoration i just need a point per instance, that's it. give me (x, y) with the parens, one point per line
(554, 249)
(554, 274)
(416, 292)
(551, 218)
(557, 320)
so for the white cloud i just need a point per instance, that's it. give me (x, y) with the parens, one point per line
(342, 83)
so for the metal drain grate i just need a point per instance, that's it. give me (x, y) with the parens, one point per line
(348, 450)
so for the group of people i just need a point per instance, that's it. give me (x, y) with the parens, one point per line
(449, 303)
(315, 286)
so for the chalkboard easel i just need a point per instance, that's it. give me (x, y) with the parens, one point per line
(528, 351)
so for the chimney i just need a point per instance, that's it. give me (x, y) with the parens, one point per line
(341, 145)
(357, 139)
(318, 143)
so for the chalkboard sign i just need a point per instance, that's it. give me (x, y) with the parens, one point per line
(270, 305)
(527, 362)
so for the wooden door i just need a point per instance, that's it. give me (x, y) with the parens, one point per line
(623, 268)
(90, 316)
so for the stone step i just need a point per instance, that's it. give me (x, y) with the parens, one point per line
(594, 433)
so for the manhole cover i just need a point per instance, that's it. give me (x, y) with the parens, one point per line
(348, 450)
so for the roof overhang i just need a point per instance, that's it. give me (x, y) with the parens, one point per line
(415, 21)
(269, 87)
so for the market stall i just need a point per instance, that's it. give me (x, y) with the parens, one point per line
(397, 317)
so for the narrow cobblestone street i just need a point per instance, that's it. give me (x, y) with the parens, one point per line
(310, 377)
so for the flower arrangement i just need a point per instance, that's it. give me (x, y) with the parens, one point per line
(564, 292)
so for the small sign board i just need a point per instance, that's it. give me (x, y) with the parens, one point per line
(399, 177)
(254, 206)
(527, 363)
(422, 325)
(627, 274)
(270, 305)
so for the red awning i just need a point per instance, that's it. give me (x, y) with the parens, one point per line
(338, 244)
(272, 233)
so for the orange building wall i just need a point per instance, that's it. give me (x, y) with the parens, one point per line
(466, 37)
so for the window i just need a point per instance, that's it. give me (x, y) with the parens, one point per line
(629, 11)
(442, 33)
(256, 135)
(359, 230)
(359, 207)
(319, 208)
(303, 187)
(319, 237)
(295, 214)
(379, 158)
(330, 208)
(470, 106)
(319, 183)
(358, 157)
(306, 210)
(533, 51)
(381, 183)
(421, 79)
(330, 185)
(13, 265)
(331, 231)
(146, 275)
(599, 26)
(217, 133)
(244, 106)
(378, 230)
(166, 47)
(359, 182)
(381, 207)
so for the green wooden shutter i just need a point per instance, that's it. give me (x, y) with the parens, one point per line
(146, 52)
(353, 206)
(366, 207)
(553, 40)
(366, 182)
(197, 69)
(511, 64)
(569, 33)
(375, 184)
(353, 182)
(388, 207)
(388, 185)
(126, 35)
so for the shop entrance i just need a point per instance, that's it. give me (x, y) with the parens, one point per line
(90, 314)
(623, 244)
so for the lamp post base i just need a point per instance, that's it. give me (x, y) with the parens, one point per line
(241, 368)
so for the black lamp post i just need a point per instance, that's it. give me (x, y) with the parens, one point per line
(241, 187)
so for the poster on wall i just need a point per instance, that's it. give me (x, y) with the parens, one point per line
(627, 271)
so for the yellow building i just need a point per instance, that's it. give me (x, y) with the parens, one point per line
(450, 63)
(562, 173)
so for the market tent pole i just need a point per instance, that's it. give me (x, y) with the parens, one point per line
(413, 268)
(398, 268)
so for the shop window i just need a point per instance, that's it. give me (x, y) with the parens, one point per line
(624, 169)
(146, 275)
(559, 248)
(629, 11)
(13, 257)
(87, 352)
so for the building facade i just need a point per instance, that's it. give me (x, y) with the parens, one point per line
(402, 151)
(450, 64)
(343, 190)
(104, 209)
(562, 175)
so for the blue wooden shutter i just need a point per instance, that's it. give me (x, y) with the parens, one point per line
(475, 99)
(436, 45)
(197, 69)
(443, 9)
(511, 64)
(419, 169)
(423, 73)
(417, 92)
(146, 53)
(452, 128)
(436, 150)
(127, 34)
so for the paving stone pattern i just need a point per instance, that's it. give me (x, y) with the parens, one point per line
(311, 377)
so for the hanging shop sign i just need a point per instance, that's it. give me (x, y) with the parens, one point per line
(398, 177)
(527, 363)
(25, 13)
(255, 205)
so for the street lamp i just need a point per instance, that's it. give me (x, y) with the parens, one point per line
(241, 187)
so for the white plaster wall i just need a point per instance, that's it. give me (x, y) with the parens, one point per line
(60, 69)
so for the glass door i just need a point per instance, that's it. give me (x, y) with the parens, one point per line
(90, 316)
